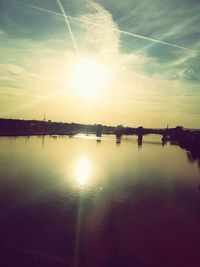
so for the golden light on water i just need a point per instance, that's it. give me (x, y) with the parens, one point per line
(82, 171)
(88, 77)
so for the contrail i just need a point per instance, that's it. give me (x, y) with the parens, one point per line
(155, 40)
(105, 27)
(68, 25)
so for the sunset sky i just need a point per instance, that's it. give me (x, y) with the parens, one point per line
(131, 62)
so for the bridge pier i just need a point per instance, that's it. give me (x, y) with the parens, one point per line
(99, 130)
(139, 140)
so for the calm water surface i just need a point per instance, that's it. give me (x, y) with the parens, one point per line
(102, 203)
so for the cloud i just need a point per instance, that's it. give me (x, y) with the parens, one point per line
(104, 40)
(13, 72)
(170, 22)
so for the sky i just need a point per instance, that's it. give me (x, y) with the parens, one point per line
(143, 70)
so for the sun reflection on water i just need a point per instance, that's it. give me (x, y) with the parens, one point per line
(82, 171)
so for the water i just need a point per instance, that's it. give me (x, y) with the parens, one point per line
(102, 203)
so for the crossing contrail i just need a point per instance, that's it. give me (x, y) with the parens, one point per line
(68, 25)
(67, 18)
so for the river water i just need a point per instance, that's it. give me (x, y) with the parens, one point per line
(101, 203)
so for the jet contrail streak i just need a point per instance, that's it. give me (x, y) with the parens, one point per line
(103, 26)
(155, 40)
(68, 25)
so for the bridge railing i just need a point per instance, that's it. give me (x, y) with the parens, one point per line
(13, 256)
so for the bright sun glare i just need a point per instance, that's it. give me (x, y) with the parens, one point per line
(82, 170)
(88, 77)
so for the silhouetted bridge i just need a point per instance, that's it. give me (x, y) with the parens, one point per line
(186, 138)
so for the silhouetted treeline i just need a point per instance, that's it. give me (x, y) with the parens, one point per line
(187, 139)
(35, 127)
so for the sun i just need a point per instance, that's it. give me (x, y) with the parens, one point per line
(88, 77)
